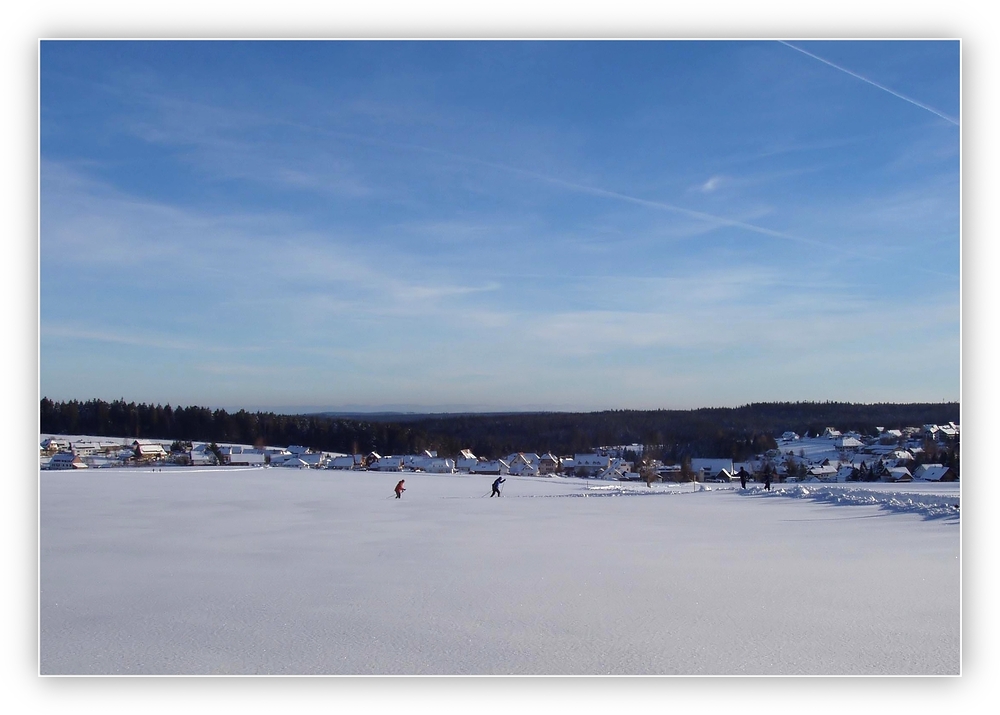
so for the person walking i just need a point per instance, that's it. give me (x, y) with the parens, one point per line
(496, 487)
(400, 489)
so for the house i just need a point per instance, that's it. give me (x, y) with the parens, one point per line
(416, 461)
(722, 476)
(934, 473)
(618, 470)
(346, 461)
(201, 456)
(824, 473)
(789, 437)
(466, 461)
(897, 458)
(548, 464)
(669, 473)
(523, 459)
(522, 468)
(296, 463)
(949, 432)
(148, 451)
(249, 457)
(275, 455)
(831, 432)
(890, 436)
(586, 465)
(523, 464)
(312, 459)
(387, 464)
(54, 444)
(428, 461)
(88, 449)
(238, 454)
(846, 473)
(67, 460)
(710, 467)
(493, 467)
(899, 474)
(278, 459)
(439, 465)
(849, 443)
(622, 450)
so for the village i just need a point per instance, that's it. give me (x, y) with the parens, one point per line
(927, 453)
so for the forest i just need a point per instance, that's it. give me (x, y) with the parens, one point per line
(671, 435)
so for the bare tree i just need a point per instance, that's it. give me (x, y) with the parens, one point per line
(647, 470)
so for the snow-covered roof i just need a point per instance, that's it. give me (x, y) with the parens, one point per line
(150, 449)
(66, 460)
(931, 472)
(823, 471)
(899, 473)
(295, 462)
(591, 460)
(849, 443)
(713, 466)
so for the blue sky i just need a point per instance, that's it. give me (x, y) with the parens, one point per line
(499, 225)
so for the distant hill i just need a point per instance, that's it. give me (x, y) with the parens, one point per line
(409, 416)
(709, 432)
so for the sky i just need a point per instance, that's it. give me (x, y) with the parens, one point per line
(499, 225)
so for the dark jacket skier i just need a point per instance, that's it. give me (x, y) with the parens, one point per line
(400, 489)
(496, 487)
(767, 481)
(743, 478)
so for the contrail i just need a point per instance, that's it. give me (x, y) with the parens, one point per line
(874, 84)
(615, 195)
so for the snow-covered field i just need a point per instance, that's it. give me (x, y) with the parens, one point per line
(273, 571)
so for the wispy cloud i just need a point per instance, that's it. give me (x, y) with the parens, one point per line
(138, 339)
(711, 185)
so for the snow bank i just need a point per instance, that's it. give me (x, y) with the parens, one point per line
(930, 500)
(928, 505)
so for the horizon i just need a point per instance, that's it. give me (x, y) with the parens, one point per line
(564, 226)
(390, 410)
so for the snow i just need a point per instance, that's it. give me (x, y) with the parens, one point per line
(207, 570)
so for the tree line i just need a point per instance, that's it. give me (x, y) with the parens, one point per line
(671, 435)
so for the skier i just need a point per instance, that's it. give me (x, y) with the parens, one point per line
(400, 489)
(767, 481)
(743, 478)
(496, 487)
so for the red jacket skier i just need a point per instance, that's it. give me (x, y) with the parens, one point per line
(400, 489)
